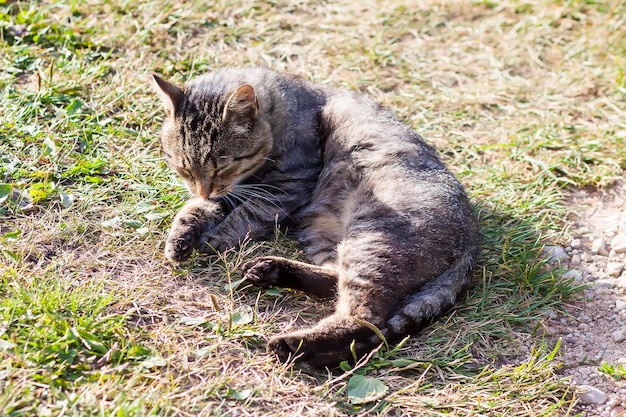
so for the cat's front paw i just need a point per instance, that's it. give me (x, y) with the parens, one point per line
(212, 245)
(261, 272)
(179, 245)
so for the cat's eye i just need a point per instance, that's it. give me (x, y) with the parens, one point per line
(185, 173)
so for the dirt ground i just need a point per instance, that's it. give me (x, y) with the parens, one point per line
(594, 331)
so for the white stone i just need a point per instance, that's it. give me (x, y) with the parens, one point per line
(592, 395)
(587, 257)
(555, 253)
(576, 244)
(614, 269)
(575, 261)
(619, 335)
(620, 305)
(599, 246)
(573, 274)
(618, 243)
(605, 283)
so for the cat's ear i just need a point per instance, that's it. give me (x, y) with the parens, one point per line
(241, 102)
(170, 95)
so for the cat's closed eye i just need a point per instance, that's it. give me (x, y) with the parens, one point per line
(185, 173)
(225, 160)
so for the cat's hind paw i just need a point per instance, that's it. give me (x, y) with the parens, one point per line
(262, 272)
(317, 353)
(325, 345)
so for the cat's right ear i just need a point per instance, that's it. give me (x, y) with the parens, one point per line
(241, 103)
(170, 95)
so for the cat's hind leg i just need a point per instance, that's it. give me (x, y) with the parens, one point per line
(334, 339)
(314, 280)
(366, 297)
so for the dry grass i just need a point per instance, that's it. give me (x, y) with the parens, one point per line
(522, 99)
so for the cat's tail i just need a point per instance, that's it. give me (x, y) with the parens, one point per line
(434, 298)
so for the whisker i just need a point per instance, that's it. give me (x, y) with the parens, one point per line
(267, 197)
(260, 187)
(256, 198)
(248, 203)
(227, 198)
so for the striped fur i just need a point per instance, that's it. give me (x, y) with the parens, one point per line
(389, 231)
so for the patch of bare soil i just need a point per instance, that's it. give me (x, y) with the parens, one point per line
(594, 332)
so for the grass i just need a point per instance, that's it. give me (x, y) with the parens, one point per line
(524, 100)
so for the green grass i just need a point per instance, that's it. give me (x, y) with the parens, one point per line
(523, 100)
(615, 371)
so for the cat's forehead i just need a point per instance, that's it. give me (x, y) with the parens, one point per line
(200, 102)
(199, 118)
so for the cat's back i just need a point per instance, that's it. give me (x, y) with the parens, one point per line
(382, 179)
(267, 84)
(380, 149)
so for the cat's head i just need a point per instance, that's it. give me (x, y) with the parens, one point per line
(212, 140)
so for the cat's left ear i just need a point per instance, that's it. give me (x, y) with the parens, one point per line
(241, 102)
(170, 95)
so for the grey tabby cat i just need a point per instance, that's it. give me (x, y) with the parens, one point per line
(388, 230)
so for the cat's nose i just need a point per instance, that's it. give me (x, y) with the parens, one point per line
(203, 190)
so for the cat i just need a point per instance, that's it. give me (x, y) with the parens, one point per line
(388, 230)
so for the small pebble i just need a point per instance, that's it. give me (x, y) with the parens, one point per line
(555, 253)
(587, 257)
(619, 335)
(618, 243)
(605, 283)
(576, 244)
(573, 274)
(599, 246)
(614, 269)
(620, 305)
(575, 261)
(591, 395)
